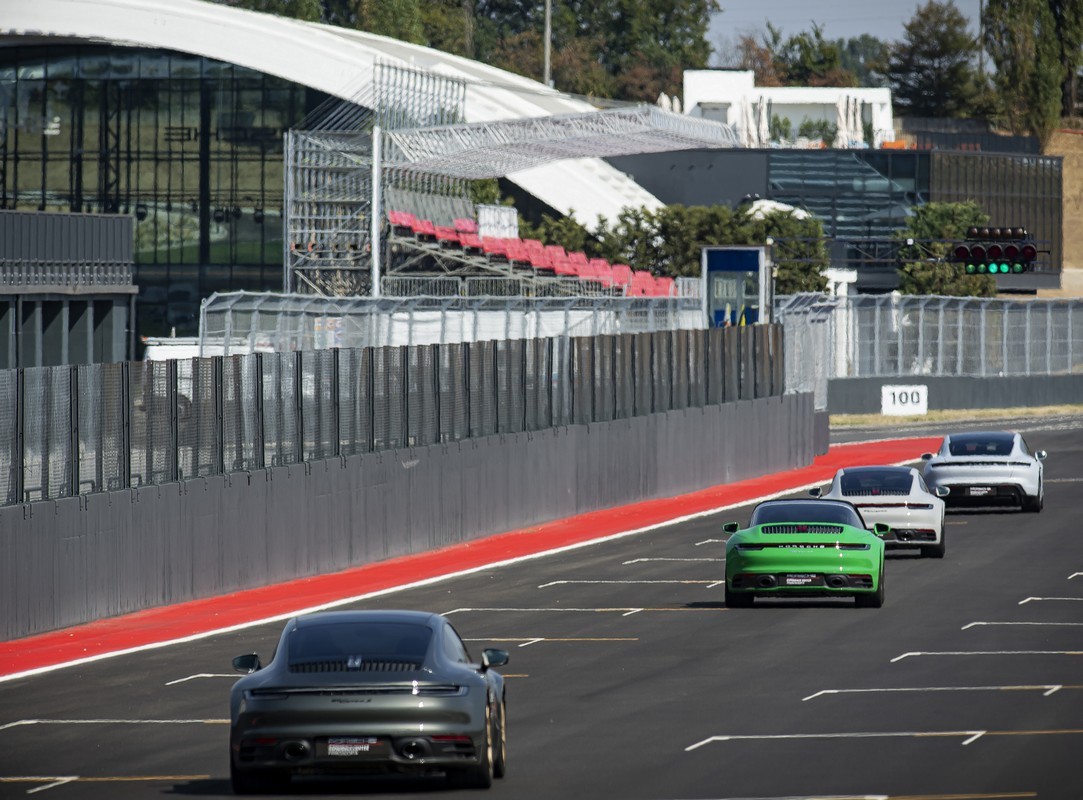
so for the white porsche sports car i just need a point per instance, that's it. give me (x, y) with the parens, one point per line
(898, 497)
(988, 469)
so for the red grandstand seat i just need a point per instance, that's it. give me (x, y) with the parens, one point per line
(622, 275)
(465, 225)
(602, 271)
(470, 241)
(578, 258)
(563, 267)
(424, 229)
(514, 250)
(494, 246)
(446, 235)
(555, 251)
(665, 287)
(403, 220)
(642, 284)
(539, 259)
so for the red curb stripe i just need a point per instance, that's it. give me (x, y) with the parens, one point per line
(192, 618)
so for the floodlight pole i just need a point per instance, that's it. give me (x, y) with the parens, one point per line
(374, 229)
(547, 77)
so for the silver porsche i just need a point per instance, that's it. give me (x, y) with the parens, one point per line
(897, 497)
(359, 692)
(994, 468)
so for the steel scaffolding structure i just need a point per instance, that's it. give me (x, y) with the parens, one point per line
(401, 144)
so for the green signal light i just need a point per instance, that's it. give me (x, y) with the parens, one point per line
(1017, 267)
(971, 269)
(982, 268)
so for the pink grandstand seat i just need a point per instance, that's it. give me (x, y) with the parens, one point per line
(665, 287)
(516, 251)
(423, 228)
(563, 267)
(539, 259)
(622, 275)
(555, 251)
(578, 258)
(602, 271)
(465, 225)
(494, 246)
(470, 241)
(446, 235)
(401, 219)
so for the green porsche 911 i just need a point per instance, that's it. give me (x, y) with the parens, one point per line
(801, 548)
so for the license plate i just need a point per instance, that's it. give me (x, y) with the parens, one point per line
(801, 580)
(981, 491)
(355, 747)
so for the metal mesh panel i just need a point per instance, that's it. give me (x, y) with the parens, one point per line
(662, 372)
(318, 403)
(697, 376)
(9, 435)
(240, 410)
(562, 381)
(279, 409)
(102, 462)
(482, 408)
(678, 342)
(509, 377)
(715, 365)
(454, 424)
(643, 362)
(582, 380)
(623, 388)
(389, 371)
(354, 402)
(198, 434)
(604, 387)
(539, 384)
(421, 395)
(47, 444)
(152, 451)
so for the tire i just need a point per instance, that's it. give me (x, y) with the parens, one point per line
(936, 550)
(739, 599)
(874, 599)
(1035, 504)
(256, 781)
(479, 776)
(500, 751)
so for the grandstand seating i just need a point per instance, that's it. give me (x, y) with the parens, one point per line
(532, 256)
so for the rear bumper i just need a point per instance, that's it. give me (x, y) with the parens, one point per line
(985, 494)
(803, 584)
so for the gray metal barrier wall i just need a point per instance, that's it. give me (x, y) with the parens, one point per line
(862, 395)
(86, 429)
(77, 559)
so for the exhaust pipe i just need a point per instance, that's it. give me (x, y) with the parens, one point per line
(295, 751)
(837, 581)
(766, 582)
(415, 748)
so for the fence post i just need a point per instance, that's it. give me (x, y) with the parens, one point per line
(549, 377)
(494, 378)
(336, 441)
(436, 360)
(370, 394)
(126, 425)
(467, 348)
(73, 428)
(299, 406)
(261, 440)
(523, 344)
(174, 427)
(404, 361)
(219, 415)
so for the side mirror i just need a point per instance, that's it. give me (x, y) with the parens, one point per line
(926, 456)
(882, 529)
(1041, 455)
(816, 491)
(730, 527)
(247, 663)
(942, 491)
(491, 657)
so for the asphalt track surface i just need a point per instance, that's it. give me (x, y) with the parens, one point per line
(630, 678)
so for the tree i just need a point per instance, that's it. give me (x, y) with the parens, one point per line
(866, 57)
(1035, 45)
(807, 59)
(931, 71)
(926, 268)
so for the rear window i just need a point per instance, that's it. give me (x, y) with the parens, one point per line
(994, 444)
(876, 481)
(813, 511)
(368, 641)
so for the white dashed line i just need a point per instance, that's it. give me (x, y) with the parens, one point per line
(1046, 689)
(1044, 599)
(629, 583)
(989, 653)
(201, 675)
(641, 560)
(1037, 624)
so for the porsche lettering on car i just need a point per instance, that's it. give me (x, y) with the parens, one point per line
(990, 468)
(897, 497)
(795, 548)
(356, 692)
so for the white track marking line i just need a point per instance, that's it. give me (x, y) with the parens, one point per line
(201, 675)
(1062, 480)
(633, 611)
(573, 610)
(971, 735)
(1042, 599)
(988, 653)
(117, 722)
(1046, 689)
(640, 560)
(54, 784)
(630, 583)
(715, 541)
(970, 625)
(535, 639)
(416, 584)
(1074, 574)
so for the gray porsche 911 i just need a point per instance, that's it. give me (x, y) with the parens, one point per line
(357, 692)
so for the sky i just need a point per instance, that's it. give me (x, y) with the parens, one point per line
(840, 19)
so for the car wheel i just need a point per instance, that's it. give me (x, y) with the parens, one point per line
(1035, 504)
(872, 599)
(256, 781)
(936, 550)
(479, 776)
(500, 751)
(738, 599)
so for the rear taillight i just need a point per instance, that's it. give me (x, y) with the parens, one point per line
(919, 506)
(451, 738)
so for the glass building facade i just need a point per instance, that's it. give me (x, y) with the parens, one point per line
(191, 147)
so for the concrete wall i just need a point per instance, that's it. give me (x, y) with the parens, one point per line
(862, 395)
(74, 560)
